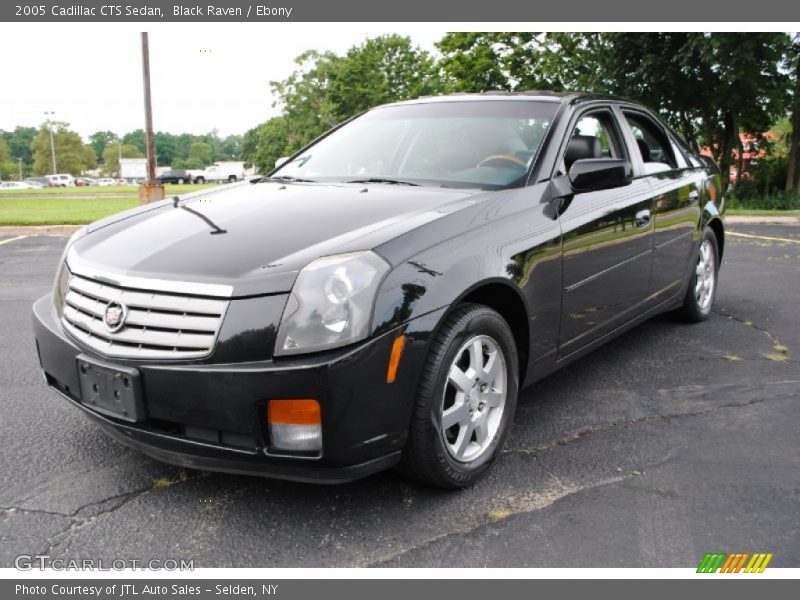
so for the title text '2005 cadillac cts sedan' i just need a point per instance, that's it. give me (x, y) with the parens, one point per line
(384, 294)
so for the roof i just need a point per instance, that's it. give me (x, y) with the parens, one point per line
(532, 95)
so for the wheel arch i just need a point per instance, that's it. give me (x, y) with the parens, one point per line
(504, 298)
(715, 225)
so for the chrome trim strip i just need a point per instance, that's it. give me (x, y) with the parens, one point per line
(599, 274)
(83, 268)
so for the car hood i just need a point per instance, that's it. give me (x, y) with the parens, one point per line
(255, 237)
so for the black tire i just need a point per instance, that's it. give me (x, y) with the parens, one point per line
(694, 308)
(427, 456)
(181, 181)
(232, 179)
(200, 180)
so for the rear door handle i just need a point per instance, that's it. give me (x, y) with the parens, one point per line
(694, 197)
(642, 218)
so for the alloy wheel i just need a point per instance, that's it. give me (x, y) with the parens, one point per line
(706, 274)
(474, 398)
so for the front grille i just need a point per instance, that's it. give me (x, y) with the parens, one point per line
(158, 325)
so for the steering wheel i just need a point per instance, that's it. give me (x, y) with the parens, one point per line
(504, 160)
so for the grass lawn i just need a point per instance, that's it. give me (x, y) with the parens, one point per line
(73, 206)
(757, 212)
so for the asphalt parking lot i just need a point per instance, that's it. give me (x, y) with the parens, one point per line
(672, 441)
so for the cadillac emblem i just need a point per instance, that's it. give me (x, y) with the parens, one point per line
(114, 318)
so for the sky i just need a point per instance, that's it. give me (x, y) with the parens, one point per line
(203, 76)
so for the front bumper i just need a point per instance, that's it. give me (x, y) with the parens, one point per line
(212, 416)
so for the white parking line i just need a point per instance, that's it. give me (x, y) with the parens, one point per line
(14, 239)
(763, 237)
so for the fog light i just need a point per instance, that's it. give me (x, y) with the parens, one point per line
(295, 425)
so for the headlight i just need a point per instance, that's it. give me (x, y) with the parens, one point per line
(62, 272)
(331, 303)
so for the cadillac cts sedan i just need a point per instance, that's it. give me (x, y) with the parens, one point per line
(381, 298)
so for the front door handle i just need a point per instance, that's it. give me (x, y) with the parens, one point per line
(642, 218)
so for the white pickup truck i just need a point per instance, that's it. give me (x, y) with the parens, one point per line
(219, 172)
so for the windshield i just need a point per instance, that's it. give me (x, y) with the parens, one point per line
(487, 144)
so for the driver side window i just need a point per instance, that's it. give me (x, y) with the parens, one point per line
(594, 136)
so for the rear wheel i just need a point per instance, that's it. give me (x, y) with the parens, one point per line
(232, 179)
(702, 289)
(466, 400)
(181, 181)
(200, 180)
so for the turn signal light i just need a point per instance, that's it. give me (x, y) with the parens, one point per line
(295, 425)
(394, 358)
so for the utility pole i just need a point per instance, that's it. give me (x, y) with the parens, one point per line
(52, 141)
(151, 191)
(20, 168)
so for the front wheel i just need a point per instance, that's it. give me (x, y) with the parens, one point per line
(200, 180)
(181, 181)
(466, 400)
(702, 280)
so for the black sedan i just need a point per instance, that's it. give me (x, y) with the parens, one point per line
(381, 298)
(179, 176)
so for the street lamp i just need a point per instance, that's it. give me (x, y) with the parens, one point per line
(52, 142)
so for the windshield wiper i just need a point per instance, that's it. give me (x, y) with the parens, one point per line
(283, 178)
(381, 180)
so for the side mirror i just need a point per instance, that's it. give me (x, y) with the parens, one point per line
(595, 174)
(282, 161)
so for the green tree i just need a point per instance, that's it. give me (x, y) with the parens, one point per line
(230, 148)
(711, 86)
(383, 69)
(111, 156)
(200, 155)
(304, 98)
(265, 144)
(8, 168)
(166, 148)
(99, 140)
(19, 143)
(793, 159)
(135, 138)
(506, 61)
(71, 153)
(326, 89)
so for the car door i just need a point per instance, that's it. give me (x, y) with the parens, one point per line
(606, 240)
(677, 187)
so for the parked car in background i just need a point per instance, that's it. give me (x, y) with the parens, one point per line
(106, 181)
(85, 181)
(36, 182)
(15, 185)
(179, 176)
(381, 298)
(60, 180)
(221, 172)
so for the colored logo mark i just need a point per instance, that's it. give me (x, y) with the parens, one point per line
(714, 562)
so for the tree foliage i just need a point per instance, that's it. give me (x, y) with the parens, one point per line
(18, 143)
(8, 168)
(111, 156)
(72, 155)
(326, 89)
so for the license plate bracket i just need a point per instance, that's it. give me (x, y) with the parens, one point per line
(111, 390)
